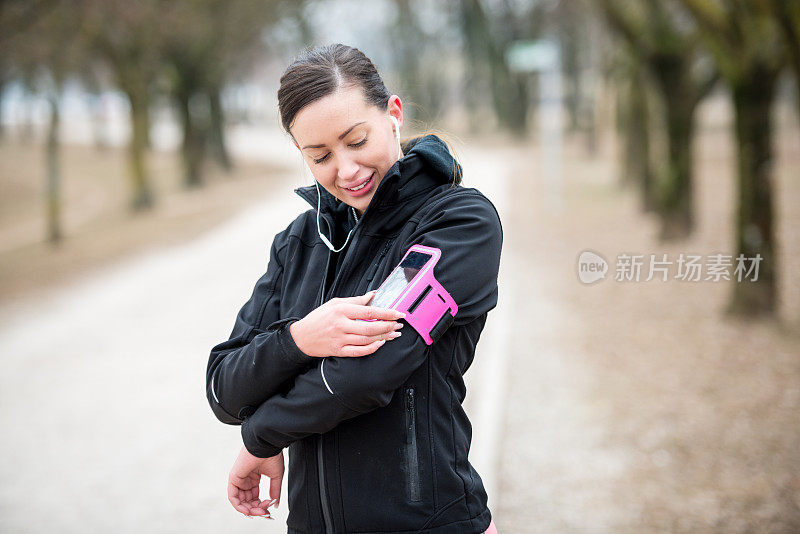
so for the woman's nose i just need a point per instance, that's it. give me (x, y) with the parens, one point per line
(347, 168)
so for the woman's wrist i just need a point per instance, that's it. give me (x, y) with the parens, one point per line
(298, 335)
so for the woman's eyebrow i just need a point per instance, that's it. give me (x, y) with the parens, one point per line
(340, 137)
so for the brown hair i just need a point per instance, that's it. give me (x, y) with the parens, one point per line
(320, 71)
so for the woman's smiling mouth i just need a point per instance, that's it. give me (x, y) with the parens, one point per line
(363, 188)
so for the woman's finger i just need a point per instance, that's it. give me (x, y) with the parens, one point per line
(235, 500)
(355, 339)
(275, 490)
(360, 299)
(355, 311)
(361, 350)
(242, 490)
(372, 328)
(251, 496)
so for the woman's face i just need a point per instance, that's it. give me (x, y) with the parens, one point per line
(348, 144)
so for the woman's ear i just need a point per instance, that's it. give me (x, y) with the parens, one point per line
(395, 108)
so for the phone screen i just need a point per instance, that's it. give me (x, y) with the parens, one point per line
(399, 278)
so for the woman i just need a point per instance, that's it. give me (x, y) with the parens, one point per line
(377, 436)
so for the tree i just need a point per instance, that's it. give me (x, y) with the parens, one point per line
(127, 36)
(633, 124)
(208, 41)
(669, 49)
(576, 26)
(484, 51)
(788, 15)
(746, 44)
(5, 77)
(45, 55)
(421, 85)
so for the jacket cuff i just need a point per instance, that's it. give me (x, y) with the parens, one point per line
(254, 446)
(288, 346)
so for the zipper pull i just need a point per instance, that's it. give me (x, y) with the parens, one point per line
(409, 415)
(374, 267)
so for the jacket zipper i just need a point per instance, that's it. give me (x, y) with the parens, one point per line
(323, 494)
(412, 460)
(374, 268)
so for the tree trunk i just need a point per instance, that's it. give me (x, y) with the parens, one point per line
(571, 52)
(192, 149)
(637, 141)
(53, 200)
(27, 132)
(752, 97)
(675, 200)
(142, 195)
(406, 38)
(2, 86)
(509, 95)
(218, 146)
(472, 29)
(99, 121)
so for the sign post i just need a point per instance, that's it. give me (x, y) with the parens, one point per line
(544, 57)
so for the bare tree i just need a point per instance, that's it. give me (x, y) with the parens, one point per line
(788, 16)
(45, 55)
(744, 39)
(659, 36)
(208, 42)
(487, 35)
(127, 36)
(633, 125)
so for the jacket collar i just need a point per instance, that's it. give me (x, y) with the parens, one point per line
(401, 192)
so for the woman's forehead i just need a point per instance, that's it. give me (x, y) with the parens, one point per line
(332, 115)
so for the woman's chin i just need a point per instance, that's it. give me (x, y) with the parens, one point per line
(360, 206)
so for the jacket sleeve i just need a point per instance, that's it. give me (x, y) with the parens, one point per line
(468, 232)
(255, 362)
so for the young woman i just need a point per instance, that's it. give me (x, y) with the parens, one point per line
(378, 440)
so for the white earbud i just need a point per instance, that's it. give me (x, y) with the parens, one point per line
(397, 136)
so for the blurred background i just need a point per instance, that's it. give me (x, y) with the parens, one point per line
(143, 175)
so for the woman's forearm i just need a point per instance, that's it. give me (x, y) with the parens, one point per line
(241, 375)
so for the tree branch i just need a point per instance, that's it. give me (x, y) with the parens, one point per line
(712, 17)
(624, 26)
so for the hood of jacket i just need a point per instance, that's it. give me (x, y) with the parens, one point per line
(427, 164)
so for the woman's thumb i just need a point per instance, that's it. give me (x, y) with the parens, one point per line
(366, 297)
(361, 299)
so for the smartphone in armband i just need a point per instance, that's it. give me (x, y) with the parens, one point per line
(411, 288)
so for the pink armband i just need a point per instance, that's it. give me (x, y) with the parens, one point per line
(411, 288)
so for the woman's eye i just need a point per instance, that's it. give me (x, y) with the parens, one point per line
(326, 156)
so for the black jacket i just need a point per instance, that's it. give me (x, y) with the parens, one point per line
(377, 444)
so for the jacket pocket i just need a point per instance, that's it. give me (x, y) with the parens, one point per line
(412, 456)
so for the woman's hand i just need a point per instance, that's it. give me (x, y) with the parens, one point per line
(334, 329)
(244, 478)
